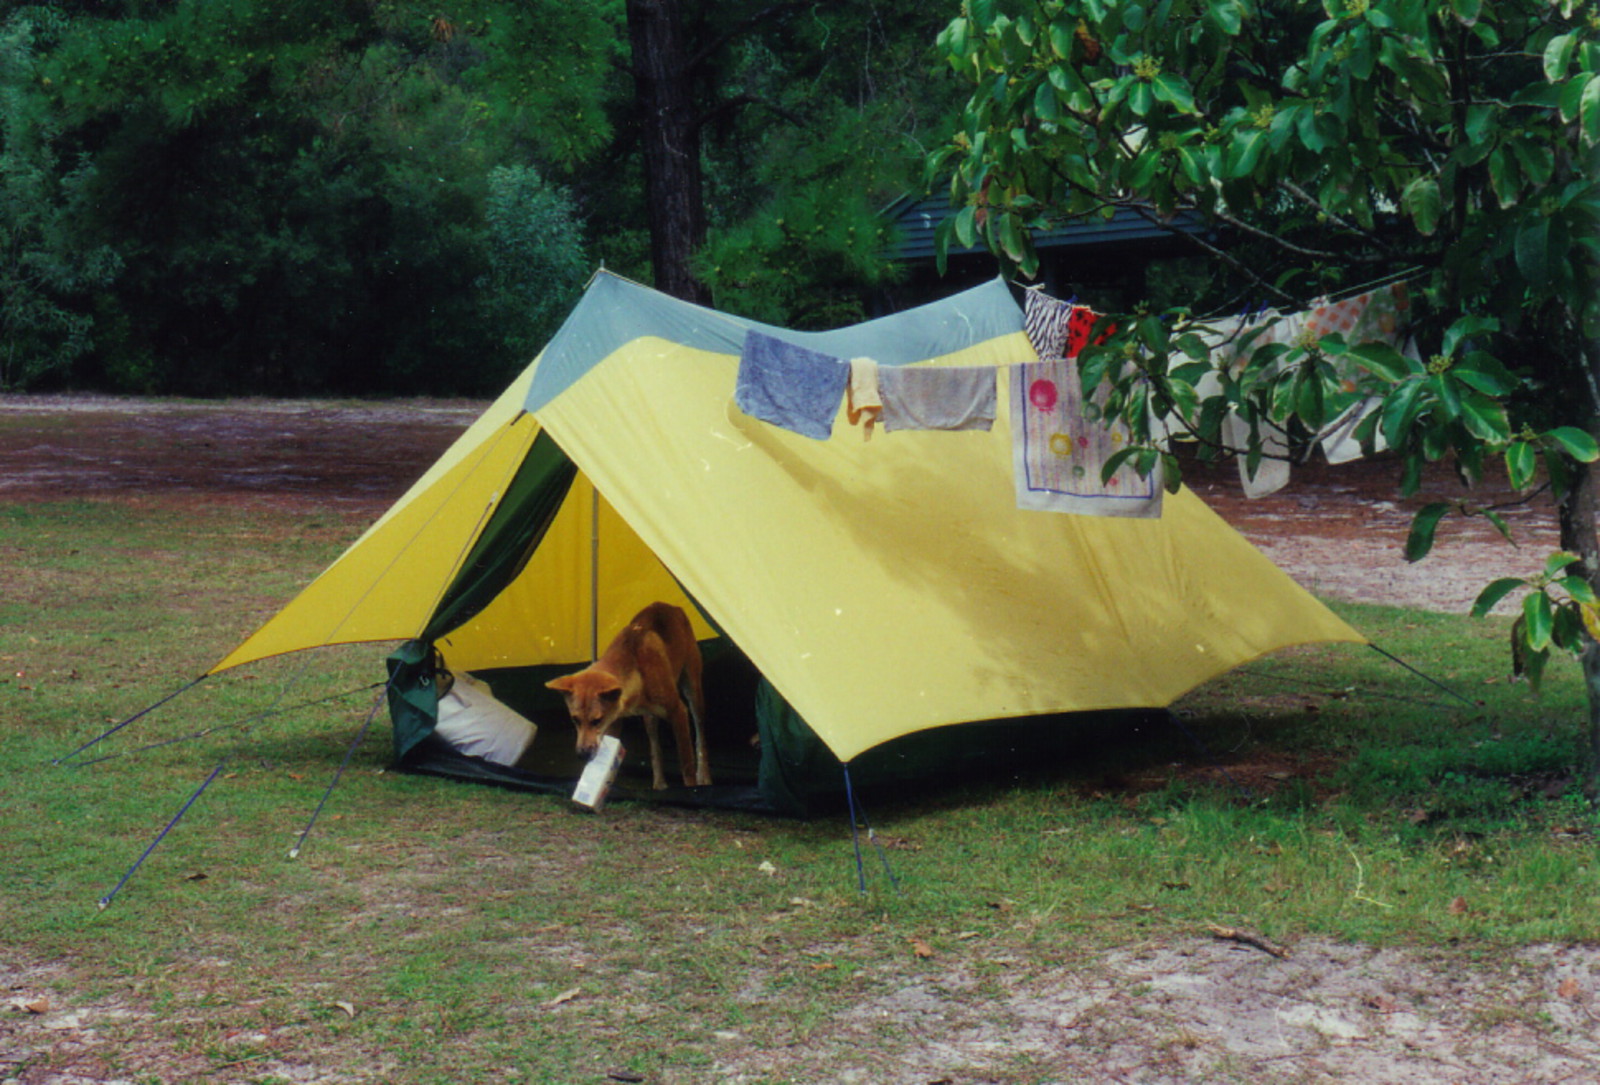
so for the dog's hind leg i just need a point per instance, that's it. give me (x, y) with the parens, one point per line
(658, 778)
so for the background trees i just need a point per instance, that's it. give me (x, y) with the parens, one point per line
(1330, 145)
(209, 196)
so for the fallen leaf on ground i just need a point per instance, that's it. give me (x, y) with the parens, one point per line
(767, 868)
(1570, 989)
(37, 1005)
(920, 948)
(1458, 906)
(348, 1008)
(564, 996)
(1383, 1004)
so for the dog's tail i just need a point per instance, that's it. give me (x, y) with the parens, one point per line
(697, 722)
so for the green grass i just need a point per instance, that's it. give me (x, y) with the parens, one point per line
(475, 934)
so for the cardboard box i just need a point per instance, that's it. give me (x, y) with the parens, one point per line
(599, 774)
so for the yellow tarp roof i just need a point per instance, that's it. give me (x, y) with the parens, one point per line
(882, 587)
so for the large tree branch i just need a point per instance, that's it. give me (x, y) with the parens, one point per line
(1337, 219)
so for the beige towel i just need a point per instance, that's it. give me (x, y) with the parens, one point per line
(863, 403)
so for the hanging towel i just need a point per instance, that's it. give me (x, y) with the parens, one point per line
(863, 401)
(790, 386)
(1060, 444)
(1272, 473)
(1045, 320)
(1376, 315)
(1085, 327)
(937, 397)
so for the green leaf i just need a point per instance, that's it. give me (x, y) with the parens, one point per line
(1500, 525)
(1140, 98)
(1521, 461)
(1226, 15)
(1589, 111)
(1579, 589)
(1558, 561)
(1539, 618)
(1174, 91)
(1484, 418)
(1045, 105)
(1533, 250)
(1502, 177)
(1573, 441)
(966, 229)
(1465, 328)
(1423, 525)
(941, 243)
(1467, 10)
(1483, 371)
(1558, 56)
(1245, 153)
(1382, 360)
(1493, 593)
(1012, 239)
(1399, 410)
(1424, 203)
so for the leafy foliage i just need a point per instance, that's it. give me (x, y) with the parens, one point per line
(44, 323)
(299, 193)
(1328, 144)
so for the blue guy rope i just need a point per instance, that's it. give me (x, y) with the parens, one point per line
(294, 852)
(855, 837)
(1463, 698)
(142, 712)
(105, 901)
(204, 732)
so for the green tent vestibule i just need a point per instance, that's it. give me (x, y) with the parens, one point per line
(882, 603)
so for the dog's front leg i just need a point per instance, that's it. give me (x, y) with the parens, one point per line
(652, 731)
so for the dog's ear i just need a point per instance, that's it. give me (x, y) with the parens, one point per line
(611, 694)
(562, 684)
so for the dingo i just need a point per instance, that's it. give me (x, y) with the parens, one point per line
(651, 670)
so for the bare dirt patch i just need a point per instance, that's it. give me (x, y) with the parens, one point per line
(1176, 1010)
(1340, 530)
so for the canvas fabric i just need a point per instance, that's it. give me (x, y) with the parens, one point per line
(882, 588)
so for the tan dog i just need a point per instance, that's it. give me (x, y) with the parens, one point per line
(639, 674)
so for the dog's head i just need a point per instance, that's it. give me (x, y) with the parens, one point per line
(594, 699)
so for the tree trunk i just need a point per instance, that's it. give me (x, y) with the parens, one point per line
(674, 194)
(1576, 512)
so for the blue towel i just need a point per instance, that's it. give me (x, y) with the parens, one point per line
(790, 386)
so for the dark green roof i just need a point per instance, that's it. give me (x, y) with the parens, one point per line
(915, 220)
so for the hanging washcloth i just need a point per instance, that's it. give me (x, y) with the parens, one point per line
(1060, 443)
(1272, 472)
(1085, 327)
(863, 401)
(1045, 320)
(790, 386)
(937, 397)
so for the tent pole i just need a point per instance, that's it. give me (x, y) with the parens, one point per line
(594, 572)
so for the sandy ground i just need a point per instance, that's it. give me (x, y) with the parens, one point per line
(1186, 1010)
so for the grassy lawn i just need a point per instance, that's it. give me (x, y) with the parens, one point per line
(441, 932)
